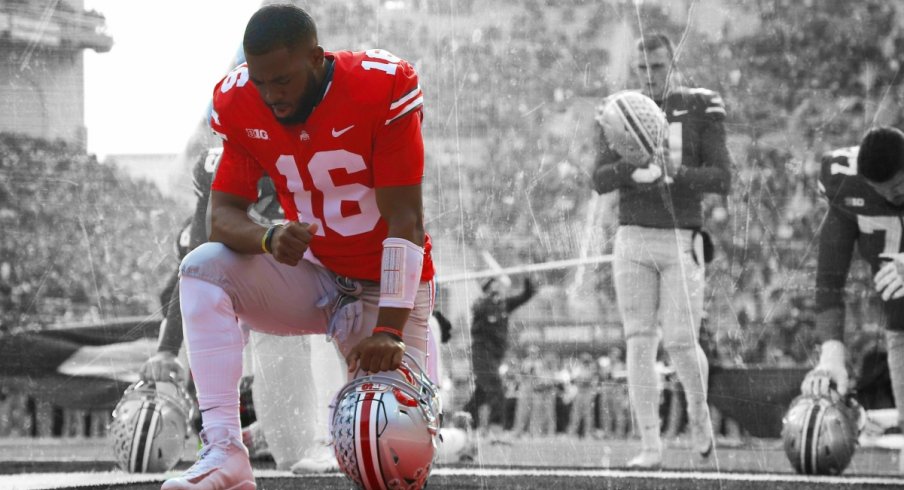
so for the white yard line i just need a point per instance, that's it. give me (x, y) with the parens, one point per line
(51, 481)
(672, 475)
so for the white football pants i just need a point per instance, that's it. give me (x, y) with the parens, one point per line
(658, 281)
(219, 287)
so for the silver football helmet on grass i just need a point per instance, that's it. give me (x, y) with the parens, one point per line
(820, 433)
(384, 428)
(150, 425)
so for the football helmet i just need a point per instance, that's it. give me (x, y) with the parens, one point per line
(634, 126)
(150, 425)
(384, 428)
(820, 433)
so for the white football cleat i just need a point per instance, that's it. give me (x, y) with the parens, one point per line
(701, 432)
(222, 465)
(649, 458)
(317, 459)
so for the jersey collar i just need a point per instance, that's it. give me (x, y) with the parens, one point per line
(327, 79)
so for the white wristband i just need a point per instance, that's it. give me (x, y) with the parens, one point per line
(832, 353)
(400, 274)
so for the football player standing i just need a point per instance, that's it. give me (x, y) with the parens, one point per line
(659, 259)
(340, 135)
(864, 187)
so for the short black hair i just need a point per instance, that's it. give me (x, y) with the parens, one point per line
(654, 41)
(881, 154)
(276, 26)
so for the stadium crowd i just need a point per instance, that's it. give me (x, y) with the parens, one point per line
(82, 242)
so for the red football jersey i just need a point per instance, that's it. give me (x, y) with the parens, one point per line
(364, 133)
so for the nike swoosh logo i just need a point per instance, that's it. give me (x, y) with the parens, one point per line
(339, 133)
(679, 113)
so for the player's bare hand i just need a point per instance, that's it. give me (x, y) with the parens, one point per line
(647, 175)
(831, 372)
(162, 366)
(823, 379)
(889, 281)
(291, 240)
(379, 352)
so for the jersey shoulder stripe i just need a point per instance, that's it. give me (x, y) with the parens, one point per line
(406, 96)
(411, 106)
(416, 91)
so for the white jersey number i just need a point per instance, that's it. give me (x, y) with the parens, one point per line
(392, 61)
(320, 166)
(212, 160)
(236, 78)
(890, 225)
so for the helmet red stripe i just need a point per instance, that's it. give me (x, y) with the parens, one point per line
(371, 479)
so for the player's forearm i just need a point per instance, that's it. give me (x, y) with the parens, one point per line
(609, 172)
(714, 180)
(403, 254)
(513, 302)
(836, 250)
(608, 177)
(200, 226)
(394, 318)
(170, 339)
(830, 323)
(407, 226)
(232, 227)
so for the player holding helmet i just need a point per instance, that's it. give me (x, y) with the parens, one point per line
(659, 250)
(339, 134)
(864, 187)
(820, 433)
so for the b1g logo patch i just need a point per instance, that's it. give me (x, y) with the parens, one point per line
(257, 134)
(854, 202)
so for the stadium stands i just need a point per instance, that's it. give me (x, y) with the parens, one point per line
(81, 241)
